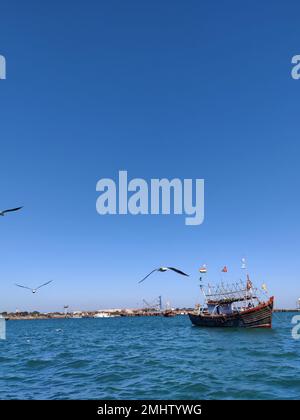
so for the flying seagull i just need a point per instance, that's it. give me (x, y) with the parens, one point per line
(36, 289)
(162, 270)
(3, 212)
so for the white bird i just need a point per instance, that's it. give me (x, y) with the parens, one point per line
(36, 289)
(162, 270)
(3, 212)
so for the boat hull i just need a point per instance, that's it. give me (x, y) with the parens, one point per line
(258, 317)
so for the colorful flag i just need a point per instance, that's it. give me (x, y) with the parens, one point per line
(224, 270)
(249, 283)
(264, 287)
(243, 264)
(203, 269)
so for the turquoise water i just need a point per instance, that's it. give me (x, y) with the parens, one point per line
(144, 358)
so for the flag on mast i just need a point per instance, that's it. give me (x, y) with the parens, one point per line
(249, 283)
(203, 269)
(243, 263)
(225, 269)
(264, 287)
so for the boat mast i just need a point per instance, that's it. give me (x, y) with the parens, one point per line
(202, 289)
(202, 271)
(244, 267)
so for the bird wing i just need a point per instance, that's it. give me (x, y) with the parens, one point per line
(23, 287)
(148, 275)
(44, 284)
(178, 271)
(9, 210)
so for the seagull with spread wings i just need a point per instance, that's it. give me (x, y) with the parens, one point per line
(3, 212)
(36, 289)
(162, 270)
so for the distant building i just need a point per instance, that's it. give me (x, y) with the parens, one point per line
(109, 311)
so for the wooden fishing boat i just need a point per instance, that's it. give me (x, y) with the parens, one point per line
(257, 317)
(234, 305)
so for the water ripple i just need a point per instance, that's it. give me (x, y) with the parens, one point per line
(144, 358)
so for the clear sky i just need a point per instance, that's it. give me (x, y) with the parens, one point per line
(197, 89)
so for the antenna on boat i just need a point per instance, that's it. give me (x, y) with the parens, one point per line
(244, 267)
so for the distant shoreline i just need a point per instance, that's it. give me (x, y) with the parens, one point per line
(105, 314)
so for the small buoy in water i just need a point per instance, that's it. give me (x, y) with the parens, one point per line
(58, 330)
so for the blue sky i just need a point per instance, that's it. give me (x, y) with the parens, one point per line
(160, 89)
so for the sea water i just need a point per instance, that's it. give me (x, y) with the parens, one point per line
(148, 358)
